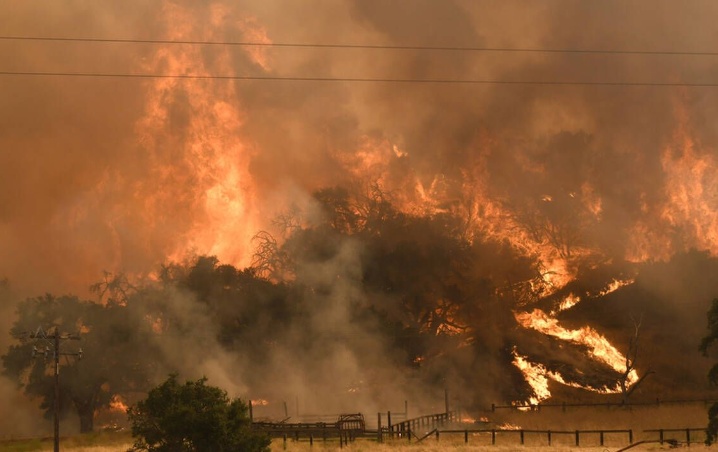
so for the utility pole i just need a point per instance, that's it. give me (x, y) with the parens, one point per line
(54, 340)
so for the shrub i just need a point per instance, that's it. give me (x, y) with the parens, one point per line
(193, 417)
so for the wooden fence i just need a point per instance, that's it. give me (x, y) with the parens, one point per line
(577, 438)
(411, 429)
(665, 435)
(407, 428)
(656, 403)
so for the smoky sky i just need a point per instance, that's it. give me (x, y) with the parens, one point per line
(80, 176)
(122, 174)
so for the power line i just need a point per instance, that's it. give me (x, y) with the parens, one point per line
(355, 79)
(357, 46)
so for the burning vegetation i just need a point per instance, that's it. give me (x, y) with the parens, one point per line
(292, 237)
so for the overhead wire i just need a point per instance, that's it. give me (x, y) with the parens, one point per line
(359, 46)
(354, 79)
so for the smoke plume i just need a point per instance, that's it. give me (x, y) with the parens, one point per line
(581, 159)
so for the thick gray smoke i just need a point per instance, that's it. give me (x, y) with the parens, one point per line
(120, 174)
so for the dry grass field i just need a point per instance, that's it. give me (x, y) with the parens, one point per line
(638, 419)
(366, 446)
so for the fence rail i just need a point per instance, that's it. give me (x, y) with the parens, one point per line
(404, 431)
(686, 431)
(407, 428)
(522, 434)
(564, 405)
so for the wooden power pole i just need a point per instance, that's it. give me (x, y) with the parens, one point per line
(54, 340)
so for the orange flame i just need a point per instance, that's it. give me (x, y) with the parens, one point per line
(615, 285)
(599, 347)
(536, 377)
(117, 405)
(199, 183)
(689, 206)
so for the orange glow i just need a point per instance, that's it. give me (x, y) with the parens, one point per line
(599, 347)
(691, 188)
(615, 285)
(689, 209)
(198, 189)
(117, 405)
(509, 426)
(535, 375)
(567, 303)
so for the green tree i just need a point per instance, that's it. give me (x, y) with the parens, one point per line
(116, 356)
(193, 417)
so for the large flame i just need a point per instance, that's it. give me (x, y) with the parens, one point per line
(688, 217)
(191, 132)
(191, 187)
(598, 346)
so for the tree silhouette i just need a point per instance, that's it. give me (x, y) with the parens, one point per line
(117, 357)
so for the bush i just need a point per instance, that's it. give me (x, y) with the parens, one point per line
(193, 417)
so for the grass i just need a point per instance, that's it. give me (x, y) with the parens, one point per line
(120, 442)
(89, 442)
(637, 419)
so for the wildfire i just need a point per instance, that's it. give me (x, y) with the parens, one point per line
(198, 190)
(570, 301)
(599, 347)
(535, 375)
(117, 405)
(689, 205)
(615, 285)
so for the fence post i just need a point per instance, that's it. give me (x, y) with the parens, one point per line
(466, 436)
(408, 432)
(378, 427)
(285, 440)
(446, 400)
(311, 439)
(660, 436)
(688, 437)
(521, 435)
(437, 434)
(493, 407)
(600, 437)
(630, 436)
(388, 425)
(577, 438)
(493, 437)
